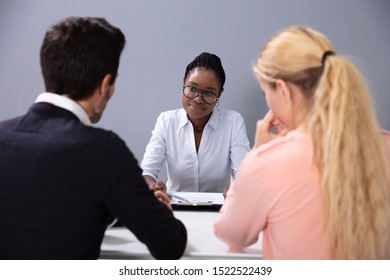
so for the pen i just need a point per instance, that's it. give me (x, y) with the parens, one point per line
(179, 198)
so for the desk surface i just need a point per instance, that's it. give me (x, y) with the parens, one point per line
(120, 243)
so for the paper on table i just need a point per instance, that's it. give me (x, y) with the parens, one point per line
(196, 198)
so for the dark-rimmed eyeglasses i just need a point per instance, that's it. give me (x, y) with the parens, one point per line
(207, 96)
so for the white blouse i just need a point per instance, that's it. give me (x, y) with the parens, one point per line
(223, 146)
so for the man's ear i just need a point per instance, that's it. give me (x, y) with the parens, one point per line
(106, 85)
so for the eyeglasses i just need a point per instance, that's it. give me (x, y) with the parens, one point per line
(207, 96)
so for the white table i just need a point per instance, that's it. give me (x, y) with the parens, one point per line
(120, 243)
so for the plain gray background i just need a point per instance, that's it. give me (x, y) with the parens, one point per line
(163, 36)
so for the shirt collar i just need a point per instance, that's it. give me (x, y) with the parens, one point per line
(183, 118)
(213, 121)
(65, 103)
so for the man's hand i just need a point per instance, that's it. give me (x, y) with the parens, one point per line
(164, 198)
(158, 186)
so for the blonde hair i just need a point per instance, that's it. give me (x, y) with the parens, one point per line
(347, 145)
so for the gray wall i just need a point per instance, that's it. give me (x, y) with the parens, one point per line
(163, 36)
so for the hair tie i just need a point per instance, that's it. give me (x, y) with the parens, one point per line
(325, 55)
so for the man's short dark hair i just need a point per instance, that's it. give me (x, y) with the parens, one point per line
(77, 53)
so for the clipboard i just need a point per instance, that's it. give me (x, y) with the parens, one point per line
(193, 201)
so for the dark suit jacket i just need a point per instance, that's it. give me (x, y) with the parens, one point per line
(60, 181)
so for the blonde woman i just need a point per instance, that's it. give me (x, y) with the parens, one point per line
(322, 189)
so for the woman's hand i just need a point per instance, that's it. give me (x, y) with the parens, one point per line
(269, 128)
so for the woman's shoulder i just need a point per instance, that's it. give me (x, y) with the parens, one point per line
(172, 119)
(288, 156)
(172, 114)
(294, 143)
(229, 114)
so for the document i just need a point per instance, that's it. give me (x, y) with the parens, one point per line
(196, 199)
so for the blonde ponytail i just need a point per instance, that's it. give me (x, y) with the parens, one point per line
(349, 151)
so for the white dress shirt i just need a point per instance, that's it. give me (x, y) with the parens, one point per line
(65, 103)
(223, 146)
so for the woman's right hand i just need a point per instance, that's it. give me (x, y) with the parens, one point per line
(269, 128)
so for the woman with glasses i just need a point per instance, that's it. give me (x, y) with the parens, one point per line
(322, 190)
(201, 145)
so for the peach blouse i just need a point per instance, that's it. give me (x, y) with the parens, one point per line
(277, 191)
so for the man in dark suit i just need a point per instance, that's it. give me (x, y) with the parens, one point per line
(62, 179)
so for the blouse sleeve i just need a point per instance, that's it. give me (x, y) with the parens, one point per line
(155, 152)
(239, 145)
(243, 214)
